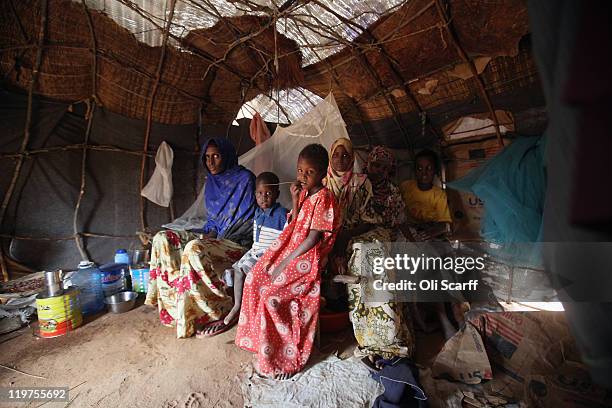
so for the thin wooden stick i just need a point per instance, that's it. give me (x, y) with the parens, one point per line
(145, 147)
(279, 184)
(5, 273)
(94, 51)
(75, 227)
(28, 123)
(91, 107)
(45, 403)
(72, 400)
(197, 148)
(68, 238)
(22, 372)
(483, 92)
(80, 146)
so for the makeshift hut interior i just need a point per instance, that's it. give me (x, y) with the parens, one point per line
(91, 89)
(108, 80)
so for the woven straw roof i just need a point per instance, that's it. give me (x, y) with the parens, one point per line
(381, 58)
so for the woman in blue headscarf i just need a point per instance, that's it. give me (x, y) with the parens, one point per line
(185, 277)
(229, 193)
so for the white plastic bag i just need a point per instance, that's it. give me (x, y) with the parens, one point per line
(159, 188)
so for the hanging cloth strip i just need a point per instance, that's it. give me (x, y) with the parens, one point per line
(258, 129)
(159, 189)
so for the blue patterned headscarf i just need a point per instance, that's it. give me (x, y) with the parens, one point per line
(229, 195)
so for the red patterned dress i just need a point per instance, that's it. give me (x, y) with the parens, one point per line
(278, 318)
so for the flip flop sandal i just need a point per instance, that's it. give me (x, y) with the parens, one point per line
(283, 377)
(218, 325)
(260, 374)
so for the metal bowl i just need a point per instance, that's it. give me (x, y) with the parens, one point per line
(121, 302)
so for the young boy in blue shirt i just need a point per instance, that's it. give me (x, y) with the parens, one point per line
(269, 221)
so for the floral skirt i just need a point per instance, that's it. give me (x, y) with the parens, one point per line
(185, 279)
(382, 328)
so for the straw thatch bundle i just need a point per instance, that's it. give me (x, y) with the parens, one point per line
(126, 67)
(405, 63)
(400, 52)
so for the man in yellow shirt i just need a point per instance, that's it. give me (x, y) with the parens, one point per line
(428, 217)
(426, 204)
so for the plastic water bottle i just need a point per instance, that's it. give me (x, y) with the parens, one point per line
(89, 281)
(139, 270)
(122, 257)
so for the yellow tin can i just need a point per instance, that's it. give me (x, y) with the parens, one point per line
(58, 314)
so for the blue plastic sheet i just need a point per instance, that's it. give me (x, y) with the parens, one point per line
(512, 186)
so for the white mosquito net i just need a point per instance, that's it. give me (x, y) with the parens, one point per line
(322, 124)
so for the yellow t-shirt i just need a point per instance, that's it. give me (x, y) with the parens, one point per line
(424, 206)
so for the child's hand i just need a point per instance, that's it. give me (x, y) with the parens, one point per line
(295, 189)
(277, 271)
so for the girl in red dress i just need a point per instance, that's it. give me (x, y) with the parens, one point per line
(280, 301)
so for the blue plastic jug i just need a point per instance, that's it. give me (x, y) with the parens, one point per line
(88, 279)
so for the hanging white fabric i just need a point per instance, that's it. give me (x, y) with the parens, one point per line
(322, 124)
(159, 188)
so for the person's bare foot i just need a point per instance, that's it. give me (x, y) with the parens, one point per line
(256, 366)
(232, 314)
(277, 376)
(258, 369)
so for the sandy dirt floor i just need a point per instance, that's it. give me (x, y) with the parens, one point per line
(130, 360)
